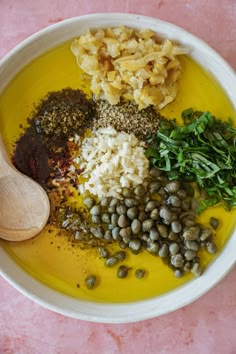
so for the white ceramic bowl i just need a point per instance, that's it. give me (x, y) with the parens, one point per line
(130, 312)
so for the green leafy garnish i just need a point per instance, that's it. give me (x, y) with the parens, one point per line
(203, 150)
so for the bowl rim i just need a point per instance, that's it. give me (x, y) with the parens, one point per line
(130, 311)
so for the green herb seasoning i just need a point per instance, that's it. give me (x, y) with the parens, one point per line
(203, 150)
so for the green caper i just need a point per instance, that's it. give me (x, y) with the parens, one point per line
(146, 198)
(139, 273)
(174, 201)
(90, 281)
(125, 232)
(214, 223)
(182, 194)
(163, 252)
(126, 239)
(139, 190)
(123, 245)
(172, 236)
(88, 202)
(141, 207)
(123, 221)
(120, 255)
(191, 245)
(122, 272)
(111, 261)
(153, 247)
(154, 214)
(152, 204)
(191, 233)
(186, 203)
(106, 218)
(196, 269)
(96, 219)
(132, 213)
(136, 226)
(135, 244)
(162, 192)
(154, 187)
(173, 248)
(188, 214)
(153, 234)
(175, 211)
(211, 248)
(163, 179)
(121, 209)
(178, 273)
(142, 215)
(96, 210)
(154, 172)
(105, 202)
(189, 255)
(188, 221)
(130, 202)
(98, 232)
(103, 252)
(113, 202)
(116, 233)
(111, 209)
(205, 234)
(176, 226)
(163, 231)
(114, 219)
(172, 187)
(126, 192)
(145, 237)
(177, 260)
(108, 235)
(165, 212)
(187, 266)
(147, 225)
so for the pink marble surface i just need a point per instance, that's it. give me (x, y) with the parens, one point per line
(207, 325)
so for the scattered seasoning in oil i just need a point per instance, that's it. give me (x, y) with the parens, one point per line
(91, 281)
(126, 116)
(139, 273)
(122, 271)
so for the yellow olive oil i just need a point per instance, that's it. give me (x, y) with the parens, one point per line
(51, 257)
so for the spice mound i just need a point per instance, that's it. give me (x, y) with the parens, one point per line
(31, 156)
(64, 112)
(125, 116)
(111, 160)
(43, 152)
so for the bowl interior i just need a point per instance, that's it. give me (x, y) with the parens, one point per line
(130, 312)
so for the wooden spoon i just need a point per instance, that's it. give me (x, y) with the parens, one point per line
(24, 205)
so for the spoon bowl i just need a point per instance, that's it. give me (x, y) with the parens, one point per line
(24, 205)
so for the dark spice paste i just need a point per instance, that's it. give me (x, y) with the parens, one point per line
(31, 156)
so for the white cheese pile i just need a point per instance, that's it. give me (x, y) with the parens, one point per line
(111, 160)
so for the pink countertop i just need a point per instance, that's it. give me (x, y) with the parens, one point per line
(205, 326)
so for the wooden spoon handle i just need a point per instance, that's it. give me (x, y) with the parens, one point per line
(15, 235)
